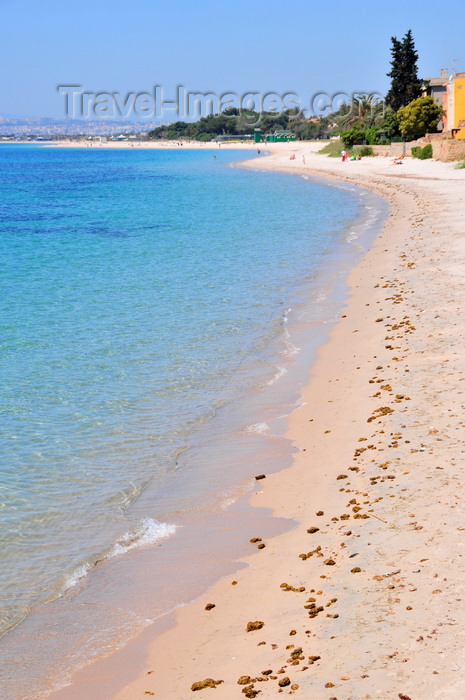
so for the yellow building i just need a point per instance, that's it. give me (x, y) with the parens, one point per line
(455, 105)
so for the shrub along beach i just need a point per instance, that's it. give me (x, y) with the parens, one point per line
(363, 597)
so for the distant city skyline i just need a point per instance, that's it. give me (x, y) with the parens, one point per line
(53, 128)
(129, 49)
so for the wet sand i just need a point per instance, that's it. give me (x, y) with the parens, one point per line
(363, 599)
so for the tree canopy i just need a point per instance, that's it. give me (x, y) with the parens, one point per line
(419, 117)
(405, 84)
(233, 122)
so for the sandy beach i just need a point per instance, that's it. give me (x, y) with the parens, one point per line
(155, 145)
(364, 597)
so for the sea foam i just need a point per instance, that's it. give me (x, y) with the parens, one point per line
(260, 428)
(147, 532)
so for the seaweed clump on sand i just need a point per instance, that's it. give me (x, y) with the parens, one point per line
(252, 626)
(207, 683)
(284, 682)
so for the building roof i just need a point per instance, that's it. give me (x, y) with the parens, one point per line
(436, 82)
(439, 80)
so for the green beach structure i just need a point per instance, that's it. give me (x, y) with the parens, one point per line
(279, 136)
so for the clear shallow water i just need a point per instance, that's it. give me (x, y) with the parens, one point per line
(144, 316)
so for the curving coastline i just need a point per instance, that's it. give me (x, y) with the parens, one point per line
(383, 409)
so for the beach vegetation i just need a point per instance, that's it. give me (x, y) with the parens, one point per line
(419, 117)
(422, 153)
(357, 134)
(365, 121)
(335, 146)
(309, 130)
(405, 83)
(389, 126)
(365, 151)
(364, 109)
(205, 136)
(240, 123)
(460, 165)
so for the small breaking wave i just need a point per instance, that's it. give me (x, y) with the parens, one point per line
(75, 576)
(281, 372)
(260, 428)
(290, 350)
(147, 532)
(227, 503)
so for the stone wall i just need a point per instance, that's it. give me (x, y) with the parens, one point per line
(393, 149)
(448, 151)
(445, 148)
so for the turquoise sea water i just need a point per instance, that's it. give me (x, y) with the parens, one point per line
(147, 313)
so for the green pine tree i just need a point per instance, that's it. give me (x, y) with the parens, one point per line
(405, 84)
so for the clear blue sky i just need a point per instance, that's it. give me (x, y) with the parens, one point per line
(303, 47)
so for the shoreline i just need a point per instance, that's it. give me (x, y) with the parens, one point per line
(270, 451)
(344, 378)
(252, 420)
(147, 145)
